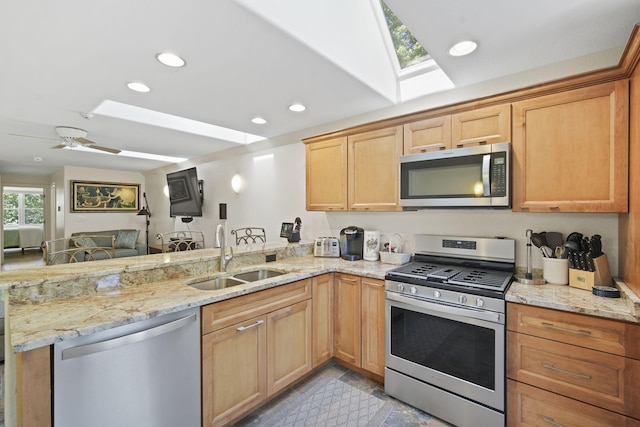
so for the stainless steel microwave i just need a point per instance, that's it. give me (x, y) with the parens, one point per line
(463, 177)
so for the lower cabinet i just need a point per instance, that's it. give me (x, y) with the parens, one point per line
(359, 322)
(570, 369)
(322, 330)
(252, 347)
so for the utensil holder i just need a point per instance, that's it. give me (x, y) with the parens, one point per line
(588, 279)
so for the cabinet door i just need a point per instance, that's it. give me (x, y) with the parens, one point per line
(346, 318)
(594, 377)
(322, 288)
(327, 175)
(570, 150)
(427, 135)
(531, 406)
(373, 325)
(482, 126)
(233, 371)
(373, 170)
(288, 345)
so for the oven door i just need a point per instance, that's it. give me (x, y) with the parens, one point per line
(457, 349)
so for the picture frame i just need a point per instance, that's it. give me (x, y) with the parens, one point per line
(95, 196)
(286, 230)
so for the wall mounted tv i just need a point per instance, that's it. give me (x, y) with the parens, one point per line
(185, 193)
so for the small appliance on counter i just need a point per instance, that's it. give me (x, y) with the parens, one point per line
(351, 243)
(328, 247)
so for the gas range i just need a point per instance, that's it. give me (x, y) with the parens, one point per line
(469, 265)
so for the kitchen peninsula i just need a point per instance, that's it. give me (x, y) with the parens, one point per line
(64, 303)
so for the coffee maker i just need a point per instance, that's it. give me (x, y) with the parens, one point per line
(351, 243)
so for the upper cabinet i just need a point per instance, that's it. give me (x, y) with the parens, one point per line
(327, 175)
(427, 135)
(359, 172)
(570, 150)
(373, 170)
(486, 125)
(481, 126)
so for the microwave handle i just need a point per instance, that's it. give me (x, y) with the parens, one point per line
(486, 173)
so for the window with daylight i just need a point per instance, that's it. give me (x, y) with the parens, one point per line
(23, 206)
(408, 50)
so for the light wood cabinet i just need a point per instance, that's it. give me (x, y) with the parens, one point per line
(346, 319)
(373, 175)
(586, 365)
(532, 406)
(570, 150)
(373, 309)
(234, 371)
(289, 354)
(427, 135)
(359, 322)
(326, 170)
(322, 297)
(486, 125)
(358, 172)
(252, 347)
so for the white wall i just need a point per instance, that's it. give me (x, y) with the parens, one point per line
(274, 192)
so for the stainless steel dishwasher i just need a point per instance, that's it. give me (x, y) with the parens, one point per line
(145, 374)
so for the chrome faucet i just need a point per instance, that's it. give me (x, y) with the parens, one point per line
(221, 241)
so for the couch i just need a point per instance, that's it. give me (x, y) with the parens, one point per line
(126, 243)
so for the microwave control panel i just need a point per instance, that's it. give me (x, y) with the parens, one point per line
(499, 175)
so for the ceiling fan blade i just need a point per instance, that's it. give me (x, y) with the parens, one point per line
(108, 150)
(59, 146)
(84, 141)
(36, 137)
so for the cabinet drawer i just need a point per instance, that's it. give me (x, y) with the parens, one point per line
(598, 378)
(585, 331)
(226, 313)
(531, 406)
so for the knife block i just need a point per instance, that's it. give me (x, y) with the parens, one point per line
(588, 279)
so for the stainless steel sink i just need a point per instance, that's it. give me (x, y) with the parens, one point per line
(260, 274)
(217, 283)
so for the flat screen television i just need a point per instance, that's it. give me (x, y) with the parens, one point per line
(185, 193)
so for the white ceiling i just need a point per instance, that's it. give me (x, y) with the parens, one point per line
(249, 58)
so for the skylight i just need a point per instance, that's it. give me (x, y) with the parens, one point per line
(408, 50)
(155, 118)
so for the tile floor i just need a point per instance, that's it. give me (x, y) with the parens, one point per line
(401, 414)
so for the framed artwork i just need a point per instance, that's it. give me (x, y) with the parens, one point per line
(286, 230)
(87, 196)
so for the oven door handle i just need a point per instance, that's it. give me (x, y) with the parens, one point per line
(489, 316)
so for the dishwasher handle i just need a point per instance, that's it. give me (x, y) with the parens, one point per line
(84, 350)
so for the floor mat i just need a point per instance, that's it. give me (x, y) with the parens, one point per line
(330, 402)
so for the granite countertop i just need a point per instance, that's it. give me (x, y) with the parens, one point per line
(576, 300)
(55, 320)
(57, 303)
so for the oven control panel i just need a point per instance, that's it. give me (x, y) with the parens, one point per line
(445, 296)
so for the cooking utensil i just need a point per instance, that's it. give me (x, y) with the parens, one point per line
(554, 239)
(547, 252)
(571, 245)
(539, 239)
(560, 252)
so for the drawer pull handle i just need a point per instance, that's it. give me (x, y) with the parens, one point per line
(244, 328)
(280, 316)
(552, 421)
(564, 371)
(575, 331)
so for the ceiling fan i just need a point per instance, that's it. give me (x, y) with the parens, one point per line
(73, 137)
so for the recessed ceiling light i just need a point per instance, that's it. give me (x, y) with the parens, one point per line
(463, 48)
(170, 60)
(258, 120)
(297, 107)
(37, 159)
(138, 87)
